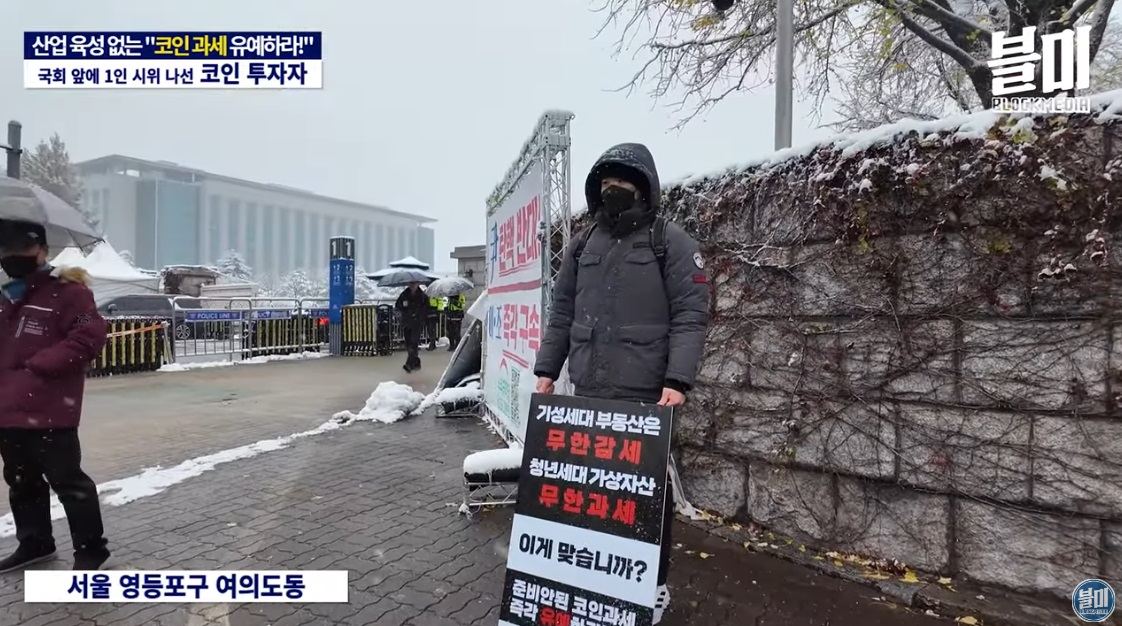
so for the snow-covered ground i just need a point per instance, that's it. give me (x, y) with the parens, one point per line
(269, 358)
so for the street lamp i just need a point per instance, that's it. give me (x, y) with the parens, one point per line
(784, 66)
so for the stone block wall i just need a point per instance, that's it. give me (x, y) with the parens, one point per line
(915, 350)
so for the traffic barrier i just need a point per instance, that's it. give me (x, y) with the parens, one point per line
(133, 345)
(360, 330)
(299, 332)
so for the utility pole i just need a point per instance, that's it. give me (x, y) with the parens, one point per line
(14, 148)
(784, 66)
(784, 71)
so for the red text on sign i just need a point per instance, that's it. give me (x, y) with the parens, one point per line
(521, 327)
(579, 502)
(519, 248)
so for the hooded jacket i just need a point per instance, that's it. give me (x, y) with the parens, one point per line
(627, 327)
(48, 338)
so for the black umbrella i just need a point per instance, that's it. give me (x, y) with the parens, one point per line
(404, 276)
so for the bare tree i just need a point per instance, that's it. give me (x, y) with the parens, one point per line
(887, 58)
(900, 76)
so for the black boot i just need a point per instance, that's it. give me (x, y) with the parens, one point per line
(25, 556)
(86, 562)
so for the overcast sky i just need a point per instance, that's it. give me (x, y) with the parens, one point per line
(424, 108)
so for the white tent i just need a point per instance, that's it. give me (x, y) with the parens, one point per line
(412, 262)
(408, 262)
(111, 275)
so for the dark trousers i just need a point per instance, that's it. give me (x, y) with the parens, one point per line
(454, 321)
(432, 324)
(36, 461)
(412, 334)
(667, 526)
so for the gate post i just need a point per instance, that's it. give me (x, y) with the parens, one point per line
(341, 289)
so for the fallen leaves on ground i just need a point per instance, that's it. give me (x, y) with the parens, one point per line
(968, 620)
(704, 555)
(909, 577)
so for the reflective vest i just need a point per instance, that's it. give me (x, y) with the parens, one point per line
(437, 303)
(456, 303)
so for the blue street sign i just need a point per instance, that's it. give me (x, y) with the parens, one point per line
(205, 315)
(272, 315)
(341, 284)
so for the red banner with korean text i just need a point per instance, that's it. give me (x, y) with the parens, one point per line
(514, 297)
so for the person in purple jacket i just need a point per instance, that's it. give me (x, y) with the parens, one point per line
(50, 331)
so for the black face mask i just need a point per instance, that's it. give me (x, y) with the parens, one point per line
(20, 266)
(617, 199)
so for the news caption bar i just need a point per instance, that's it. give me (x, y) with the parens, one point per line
(191, 586)
(165, 60)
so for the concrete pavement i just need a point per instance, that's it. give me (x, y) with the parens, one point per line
(141, 420)
(378, 500)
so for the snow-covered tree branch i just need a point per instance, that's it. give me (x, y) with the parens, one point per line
(879, 60)
(234, 268)
(48, 165)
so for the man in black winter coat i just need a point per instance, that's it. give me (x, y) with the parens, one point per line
(414, 307)
(629, 319)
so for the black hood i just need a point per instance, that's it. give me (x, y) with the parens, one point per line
(634, 157)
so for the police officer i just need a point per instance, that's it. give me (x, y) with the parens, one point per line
(630, 303)
(436, 308)
(455, 319)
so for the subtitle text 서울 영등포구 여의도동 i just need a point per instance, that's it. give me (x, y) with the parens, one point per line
(187, 586)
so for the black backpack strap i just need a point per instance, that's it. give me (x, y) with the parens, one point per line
(658, 242)
(582, 241)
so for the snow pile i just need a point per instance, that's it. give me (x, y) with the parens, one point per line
(257, 360)
(469, 391)
(489, 461)
(389, 403)
(452, 395)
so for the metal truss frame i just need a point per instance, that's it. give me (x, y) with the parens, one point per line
(548, 145)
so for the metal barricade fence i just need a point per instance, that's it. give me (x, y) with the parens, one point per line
(134, 344)
(278, 327)
(360, 330)
(241, 328)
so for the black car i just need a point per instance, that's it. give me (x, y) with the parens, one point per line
(171, 307)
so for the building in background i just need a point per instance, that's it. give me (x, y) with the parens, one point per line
(167, 214)
(471, 263)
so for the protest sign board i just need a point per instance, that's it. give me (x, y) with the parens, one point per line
(587, 529)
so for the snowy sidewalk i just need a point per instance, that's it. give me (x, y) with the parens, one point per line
(373, 498)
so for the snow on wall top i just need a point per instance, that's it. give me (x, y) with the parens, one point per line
(1105, 106)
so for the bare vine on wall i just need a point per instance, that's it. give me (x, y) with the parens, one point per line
(936, 314)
